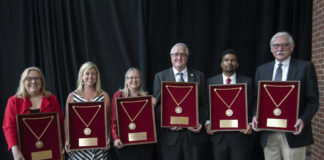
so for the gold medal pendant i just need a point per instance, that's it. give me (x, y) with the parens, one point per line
(39, 144)
(229, 112)
(87, 131)
(178, 109)
(132, 126)
(277, 112)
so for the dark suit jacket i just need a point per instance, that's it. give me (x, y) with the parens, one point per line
(166, 136)
(303, 71)
(218, 79)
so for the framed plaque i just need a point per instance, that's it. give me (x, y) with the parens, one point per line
(87, 125)
(278, 104)
(39, 135)
(135, 120)
(228, 107)
(179, 104)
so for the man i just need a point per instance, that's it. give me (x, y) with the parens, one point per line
(289, 146)
(181, 143)
(231, 145)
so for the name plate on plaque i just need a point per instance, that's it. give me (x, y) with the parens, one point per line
(140, 136)
(279, 123)
(88, 142)
(179, 120)
(41, 155)
(228, 123)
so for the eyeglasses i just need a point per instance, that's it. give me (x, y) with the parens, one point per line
(284, 45)
(132, 78)
(29, 79)
(179, 54)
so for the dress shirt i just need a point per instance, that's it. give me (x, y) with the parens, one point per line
(233, 79)
(284, 67)
(184, 76)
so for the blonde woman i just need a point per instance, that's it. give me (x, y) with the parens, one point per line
(88, 89)
(31, 97)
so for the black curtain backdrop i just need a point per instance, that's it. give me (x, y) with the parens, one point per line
(60, 35)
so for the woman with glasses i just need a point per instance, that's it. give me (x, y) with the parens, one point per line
(132, 88)
(31, 97)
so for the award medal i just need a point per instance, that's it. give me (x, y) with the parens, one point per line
(39, 144)
(132, 125)
(229, 112)
(87, 130)
(277, 110)
(178, 109)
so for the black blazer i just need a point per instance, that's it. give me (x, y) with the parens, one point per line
(303, 71)
(218, 79)
(167, 136)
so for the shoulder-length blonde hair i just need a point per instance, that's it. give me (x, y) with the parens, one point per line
(80, 83)
(125, 90)
(21, 91)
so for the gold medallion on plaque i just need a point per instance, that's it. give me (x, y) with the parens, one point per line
(229, 112)
(277, 110)
(178, 109)
(87, 130)
(39, 144)
(132, 125)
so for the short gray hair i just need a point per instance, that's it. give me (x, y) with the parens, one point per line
(279, 34)
(180, 44)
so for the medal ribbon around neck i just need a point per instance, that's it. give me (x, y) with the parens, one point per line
(39, 144)
(87, 130)
(178, 109)
(132, 125)
(229, 111)
(277, 110)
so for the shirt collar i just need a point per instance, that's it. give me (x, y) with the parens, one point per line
(285, 62)
(175, 71)
(233, 77)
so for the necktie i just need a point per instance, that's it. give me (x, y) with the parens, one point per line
(180, 77)
(228, 81)
(278, 76)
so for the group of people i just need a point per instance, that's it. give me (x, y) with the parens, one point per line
(179, 143)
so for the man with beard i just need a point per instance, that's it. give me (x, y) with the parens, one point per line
(286, 145)
(230, 144)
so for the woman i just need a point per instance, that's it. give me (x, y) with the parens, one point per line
(88, 89)
(132, 88)
(31, 97)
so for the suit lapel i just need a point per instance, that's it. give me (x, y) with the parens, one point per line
(292, 70)
(270, 67)
(171, 75)
(238, 79)
(191, 76)
(219, 79)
